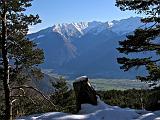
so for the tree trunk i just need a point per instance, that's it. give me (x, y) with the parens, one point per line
(84, 92)
(8, 108)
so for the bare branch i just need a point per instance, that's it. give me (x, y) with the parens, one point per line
(13, 101)
(17, 96)
(35, 89)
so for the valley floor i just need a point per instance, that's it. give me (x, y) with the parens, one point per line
(100, 112)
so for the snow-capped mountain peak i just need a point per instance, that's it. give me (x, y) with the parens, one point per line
(81, 26)
(110, 24)
(69, 30)
(125, 25)
(96, 27)
(78, 29)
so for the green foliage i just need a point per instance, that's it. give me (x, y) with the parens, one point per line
(153, 100)
(144, 40)
(136, 99)
(63, 97)
(65, 101)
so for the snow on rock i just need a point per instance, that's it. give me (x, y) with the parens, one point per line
(82, 78)
(101, 111)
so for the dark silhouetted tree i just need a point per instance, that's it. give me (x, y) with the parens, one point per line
(19, 57)
(145, 40)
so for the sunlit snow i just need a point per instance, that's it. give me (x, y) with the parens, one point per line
(101, 111)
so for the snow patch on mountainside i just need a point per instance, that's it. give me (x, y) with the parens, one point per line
(40, 36)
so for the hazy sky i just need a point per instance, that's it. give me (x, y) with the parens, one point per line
(66, 11)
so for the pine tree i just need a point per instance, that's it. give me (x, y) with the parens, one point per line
(63, 96)
(144, 41)
(19, 56)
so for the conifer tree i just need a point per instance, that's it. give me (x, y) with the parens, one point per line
(19, 56)
(63, 97)
(145, 40)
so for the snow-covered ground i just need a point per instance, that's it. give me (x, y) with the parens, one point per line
(100, 112)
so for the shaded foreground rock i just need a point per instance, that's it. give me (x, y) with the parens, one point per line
(84, 92)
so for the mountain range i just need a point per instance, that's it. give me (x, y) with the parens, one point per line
(86, 48)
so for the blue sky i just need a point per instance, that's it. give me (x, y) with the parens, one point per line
(66, 11)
